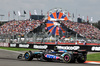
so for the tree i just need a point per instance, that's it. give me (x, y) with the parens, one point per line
(97, 24)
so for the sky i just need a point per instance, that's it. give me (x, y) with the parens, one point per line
(90, 8)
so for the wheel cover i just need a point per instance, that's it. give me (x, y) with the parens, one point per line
(27, 55)
(66, 58)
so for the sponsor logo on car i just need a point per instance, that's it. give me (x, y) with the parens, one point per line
(51, 56)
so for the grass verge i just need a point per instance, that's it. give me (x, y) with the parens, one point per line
(17, 49)
(93, 57)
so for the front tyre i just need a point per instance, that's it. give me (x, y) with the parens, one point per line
(67, 58)
(28, 56)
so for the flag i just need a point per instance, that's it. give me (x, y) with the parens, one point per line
(35, 13)
(68, 14)
(24, 12)
(19, 13)
(14, 13)
(60, 10)
(73, 15)
(63, 12)
(91, 19)
(41, 12)
(83, 17)
(29, 13)
(87, 18)
(8, 14)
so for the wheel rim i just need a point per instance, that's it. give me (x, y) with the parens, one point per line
(66, 58)
(26, 55)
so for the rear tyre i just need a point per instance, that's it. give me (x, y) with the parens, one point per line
(81, 59)
(28, 56)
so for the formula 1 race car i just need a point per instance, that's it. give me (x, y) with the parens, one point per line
(79, 56)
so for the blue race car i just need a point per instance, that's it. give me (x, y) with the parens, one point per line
(79, 56)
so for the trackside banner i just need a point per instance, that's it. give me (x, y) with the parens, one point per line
(66, 47)
(4, 44)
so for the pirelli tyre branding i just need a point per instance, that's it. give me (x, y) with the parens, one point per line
(95, 48)
(40, 46)
(68, 47)
(24, 45)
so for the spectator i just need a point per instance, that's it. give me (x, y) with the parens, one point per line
(84, 30)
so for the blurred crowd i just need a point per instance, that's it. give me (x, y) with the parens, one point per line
(19, 27)
(25, 26)
(84, 29)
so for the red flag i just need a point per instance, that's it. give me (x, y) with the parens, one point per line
(29, 13)
(87, 18)
(8, 14)
(68, 14)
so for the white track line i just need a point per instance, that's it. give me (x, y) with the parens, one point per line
(12, 51)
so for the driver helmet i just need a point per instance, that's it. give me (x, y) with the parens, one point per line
(55, 49)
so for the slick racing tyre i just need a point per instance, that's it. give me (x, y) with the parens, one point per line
(67, 58)
(28, 56)
(81, 59)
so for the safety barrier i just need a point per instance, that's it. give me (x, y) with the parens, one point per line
(89, 48)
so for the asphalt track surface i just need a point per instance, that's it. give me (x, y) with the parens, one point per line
(9, 58)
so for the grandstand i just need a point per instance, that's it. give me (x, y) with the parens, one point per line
(35, 30)
(44, 31)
